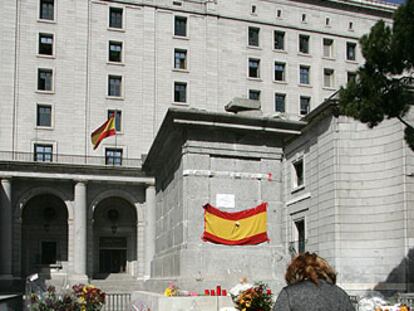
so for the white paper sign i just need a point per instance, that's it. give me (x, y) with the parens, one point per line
(225, 200)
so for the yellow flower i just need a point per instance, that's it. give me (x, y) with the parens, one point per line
(168, 292)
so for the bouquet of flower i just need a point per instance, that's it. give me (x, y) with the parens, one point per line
(80, 298)
(256, 298)
(90, 298)
(171, 290)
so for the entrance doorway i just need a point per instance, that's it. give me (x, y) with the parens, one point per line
(112, 254)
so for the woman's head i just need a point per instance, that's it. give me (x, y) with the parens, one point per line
(309, 266)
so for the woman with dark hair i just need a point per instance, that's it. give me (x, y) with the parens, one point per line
(311, 287)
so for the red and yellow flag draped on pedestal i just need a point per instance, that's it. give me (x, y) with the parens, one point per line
(237, 228)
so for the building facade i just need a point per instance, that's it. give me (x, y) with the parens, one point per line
(74, 212)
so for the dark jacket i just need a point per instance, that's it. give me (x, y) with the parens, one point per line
(307, 296)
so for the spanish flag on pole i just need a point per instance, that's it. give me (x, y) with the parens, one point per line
(238, 228)
(105, 130)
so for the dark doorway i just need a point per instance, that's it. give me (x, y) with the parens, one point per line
(112, 254)
(49, 253)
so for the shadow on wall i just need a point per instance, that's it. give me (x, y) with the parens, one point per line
(402, 275)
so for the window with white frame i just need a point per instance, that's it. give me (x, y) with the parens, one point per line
(44, 79)
(45, 44)
(351, 76)
(180, 26)
(298, 174)
(298, 235)
(43, 152)
(304, 105)
(180, 59)
(280, 71)
(253, 10)
(114, 86)
(351, 51)
(279, 40)
(254, 68)
(254, 94)
(328, 78)
(47, 10)
(118, 118)
(254, 34)
(44, 115)
(303, 18)
(328, 45)
(115, 51)
(180, 92)
(327, 21)
(304, 74)
(116, 18)
(280, 102)
(304, 44)
(113, 156)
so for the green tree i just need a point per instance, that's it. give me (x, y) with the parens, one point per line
(384, 87)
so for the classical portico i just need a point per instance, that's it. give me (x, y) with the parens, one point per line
(74, 226)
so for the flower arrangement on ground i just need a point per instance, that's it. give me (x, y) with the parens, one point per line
(80, 298)
(256, 298)
(171, 290)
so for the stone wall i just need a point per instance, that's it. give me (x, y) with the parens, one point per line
(354, 200)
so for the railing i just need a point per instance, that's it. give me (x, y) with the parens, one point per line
(67, 159)
(117, 302)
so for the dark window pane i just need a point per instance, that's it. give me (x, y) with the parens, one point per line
(180, 92)
(114, 86)
(180, 26)
(254, 94)
(304, 105)
(44, 115)
(115, 17)
(254, 36)
(180, 59)
(279, 72)
(254, 68)
(47, 9)
(300, 227)
(43, 153)
(350, 51)
(280, 102)
(118, 118)
(279, 40)
(45, 44)
(44, 79)
(113, 156)
(304, 75)
(304, 44)
(115, 51)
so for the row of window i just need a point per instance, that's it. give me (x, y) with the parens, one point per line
(44, 116)
(303, 17)
(45, 84)
(280, 102)
(279, 73)
(115, 20)
(44, 153)
(279, 38)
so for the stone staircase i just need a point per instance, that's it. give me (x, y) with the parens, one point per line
(117, 283)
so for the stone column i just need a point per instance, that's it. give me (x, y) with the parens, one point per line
(6, 229)
(80, 232)
(149, 228)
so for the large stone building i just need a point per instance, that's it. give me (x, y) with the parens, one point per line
(72, 212)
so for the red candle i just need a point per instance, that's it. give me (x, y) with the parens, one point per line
(224, 292)
(212, 292)
(207, 292)
(218, 288)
